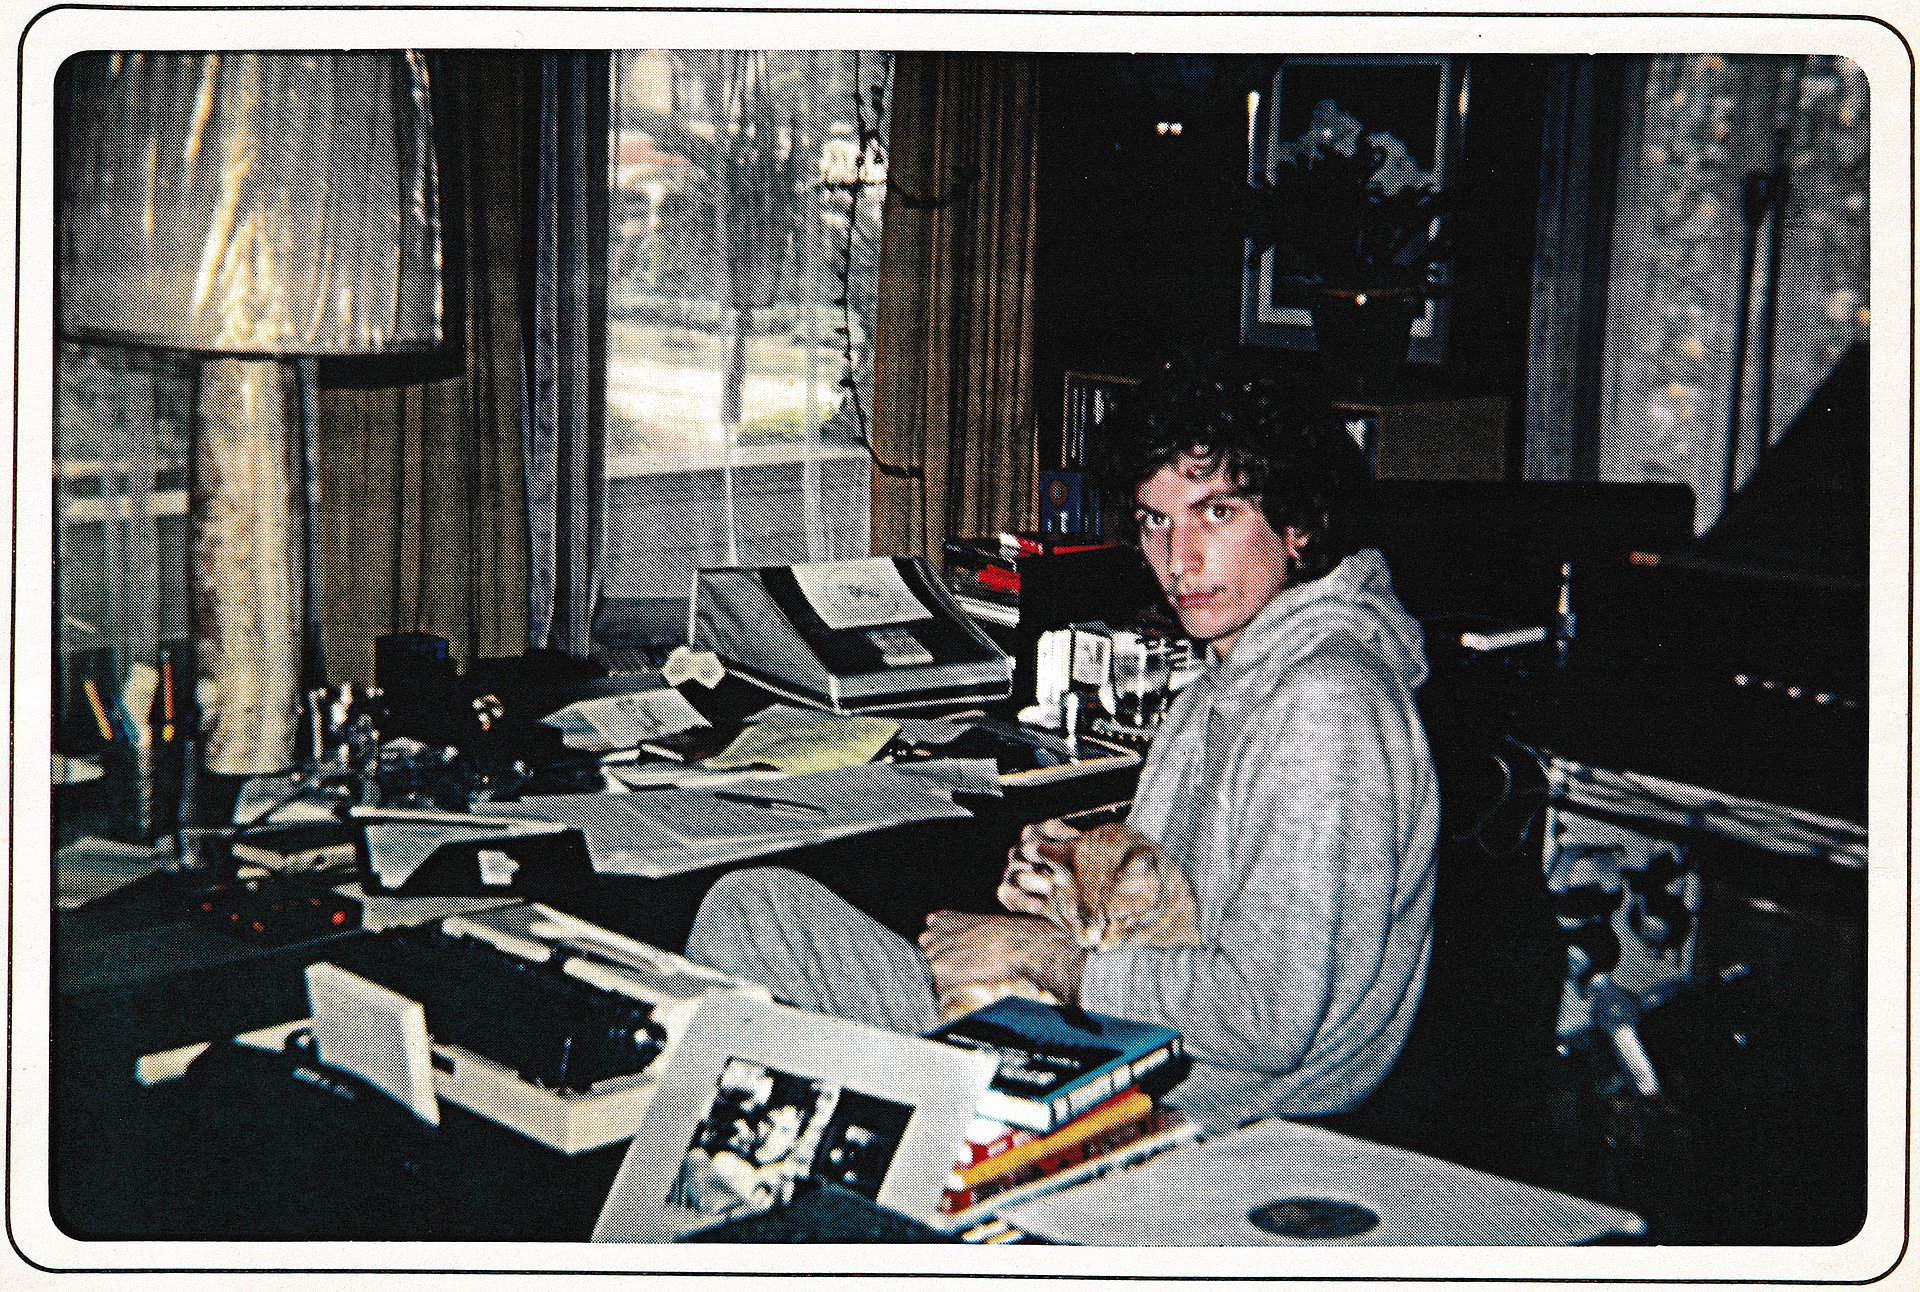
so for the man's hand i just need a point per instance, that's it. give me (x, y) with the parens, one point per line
(1028, 881)
(987, 948)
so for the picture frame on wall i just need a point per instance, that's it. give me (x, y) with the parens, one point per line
(1418, 99)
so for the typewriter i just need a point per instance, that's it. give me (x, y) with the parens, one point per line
(551, 1026)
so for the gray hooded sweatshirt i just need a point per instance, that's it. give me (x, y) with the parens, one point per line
(1293, 783)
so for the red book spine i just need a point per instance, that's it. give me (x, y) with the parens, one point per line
(1152, 1122)
(1009, 1137)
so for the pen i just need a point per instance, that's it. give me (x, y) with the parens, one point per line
(760, 801)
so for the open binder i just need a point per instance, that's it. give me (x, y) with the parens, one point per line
(879, 633)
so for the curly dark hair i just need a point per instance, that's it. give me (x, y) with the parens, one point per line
(1273, 438)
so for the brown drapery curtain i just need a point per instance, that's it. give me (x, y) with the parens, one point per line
(423, 514)
(953, 367)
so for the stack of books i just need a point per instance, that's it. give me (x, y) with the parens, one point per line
(984, 573)
(1066, 1104)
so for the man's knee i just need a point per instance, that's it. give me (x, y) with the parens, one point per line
(739, 904)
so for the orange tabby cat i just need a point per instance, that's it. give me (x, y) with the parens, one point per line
(1111, 886)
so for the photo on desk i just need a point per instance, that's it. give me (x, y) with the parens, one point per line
(760, 1097)
(767, 1130)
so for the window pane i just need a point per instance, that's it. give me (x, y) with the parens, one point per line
(120, 461)
(736, 217)
(747, 189)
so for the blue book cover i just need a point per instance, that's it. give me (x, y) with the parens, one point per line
(1069, 503)
(1056, 1061)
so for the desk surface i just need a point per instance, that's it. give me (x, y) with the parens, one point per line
(1765, 1143)
(207, 1159)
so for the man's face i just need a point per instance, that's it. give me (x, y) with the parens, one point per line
(1216, 557)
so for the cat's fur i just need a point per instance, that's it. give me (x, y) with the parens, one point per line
(1111, 886)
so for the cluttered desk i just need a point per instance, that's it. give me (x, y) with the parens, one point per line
(440, 980)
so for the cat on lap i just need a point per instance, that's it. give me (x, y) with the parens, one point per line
(1109, 887)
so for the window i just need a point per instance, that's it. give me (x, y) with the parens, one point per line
(746, 193)
(120, 474)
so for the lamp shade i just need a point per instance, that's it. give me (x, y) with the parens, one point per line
(265, 204)
(251, 208)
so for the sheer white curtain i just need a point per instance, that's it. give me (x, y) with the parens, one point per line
(746, 189)
(1697, 128)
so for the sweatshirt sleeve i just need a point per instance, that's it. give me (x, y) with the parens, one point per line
(1304, 841)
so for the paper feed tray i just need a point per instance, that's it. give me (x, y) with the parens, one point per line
(880, 633)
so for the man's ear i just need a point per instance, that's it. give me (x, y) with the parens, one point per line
(1296, 543)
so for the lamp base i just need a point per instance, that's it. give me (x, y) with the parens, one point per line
(247, 565)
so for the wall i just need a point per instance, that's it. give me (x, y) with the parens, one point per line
(1136, 254)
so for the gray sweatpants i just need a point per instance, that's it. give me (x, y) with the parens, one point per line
(809, 948)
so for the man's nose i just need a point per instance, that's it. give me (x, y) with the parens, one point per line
(1183, 553)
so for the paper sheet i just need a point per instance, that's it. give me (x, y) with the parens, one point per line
(94, 867)
(1201, 1196)
(973, 775)
(802, 748)
(859, 594)
(623, 721)
(660, 832)
(640, 776)
(395, 849)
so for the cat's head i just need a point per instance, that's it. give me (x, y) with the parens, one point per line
(1108, 882)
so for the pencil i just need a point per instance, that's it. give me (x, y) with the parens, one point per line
(99, 710)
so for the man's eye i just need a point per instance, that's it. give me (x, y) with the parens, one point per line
(1220, 512)
(1150, 520)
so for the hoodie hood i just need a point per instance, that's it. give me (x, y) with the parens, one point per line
(1355, 598)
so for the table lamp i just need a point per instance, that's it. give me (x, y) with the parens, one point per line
(252, 209)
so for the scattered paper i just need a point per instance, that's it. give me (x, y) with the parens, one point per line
(397, 848)
(663, 832)
(641, 776)
(802, 748)
(971, 775)
(623, 721)
(94, 867)
(932, 732)
(859, 594)
(285, 800)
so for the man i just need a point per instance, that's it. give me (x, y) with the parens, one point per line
(1291, 780)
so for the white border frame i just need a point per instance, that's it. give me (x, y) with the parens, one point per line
(41, 1255)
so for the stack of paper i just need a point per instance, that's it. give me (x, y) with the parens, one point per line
(667, 831)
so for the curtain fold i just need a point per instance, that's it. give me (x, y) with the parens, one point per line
(1579, 158)
(953, 385)
(565, 436)
(422, 507)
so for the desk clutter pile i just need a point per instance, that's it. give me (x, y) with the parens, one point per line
(1013, 1121)
(635, 783)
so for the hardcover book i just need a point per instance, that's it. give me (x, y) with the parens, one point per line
(1129, 1104)
(1108, 1137)
(1056, 1062)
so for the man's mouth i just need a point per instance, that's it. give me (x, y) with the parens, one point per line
(1192, 600)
